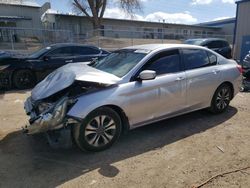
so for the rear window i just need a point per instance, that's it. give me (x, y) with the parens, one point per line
(194, 58)
(78, 50)
(216, 44)
(197, 42)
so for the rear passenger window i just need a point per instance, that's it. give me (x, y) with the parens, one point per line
(213, 44)
(195, 59)
(224, 44)
(165, 62)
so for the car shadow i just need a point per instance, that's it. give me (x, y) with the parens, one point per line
(27, 161)
(13, 91)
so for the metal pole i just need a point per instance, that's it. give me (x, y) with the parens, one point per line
(132, 39)
(11, 39)
(98, 35)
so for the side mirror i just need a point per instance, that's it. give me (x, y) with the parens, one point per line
(147, 75)
(46, 58)
(93, 61)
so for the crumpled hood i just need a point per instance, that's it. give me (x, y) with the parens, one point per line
(66, 75)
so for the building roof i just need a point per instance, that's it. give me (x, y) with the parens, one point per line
(13, 18)
(219, 22)
(242, 1)
(29, 3)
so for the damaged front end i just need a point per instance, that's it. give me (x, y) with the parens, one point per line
(51, 113)
(51, 119)
(57, 94)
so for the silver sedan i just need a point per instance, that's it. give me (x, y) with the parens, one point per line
(130, 88)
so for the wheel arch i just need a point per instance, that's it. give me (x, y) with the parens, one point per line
(20, 69)
(123, 116)
(230, 85)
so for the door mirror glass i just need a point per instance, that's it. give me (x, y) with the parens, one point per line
(147, 75)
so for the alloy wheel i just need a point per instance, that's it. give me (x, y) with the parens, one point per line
(100, 131)
(223, 98)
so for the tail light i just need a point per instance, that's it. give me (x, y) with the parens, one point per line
(239, 67)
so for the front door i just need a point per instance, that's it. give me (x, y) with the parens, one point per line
(151, 100)
(53, 60)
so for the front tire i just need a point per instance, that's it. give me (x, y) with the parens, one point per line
(98, 131)
(23, 79)
(221, 99)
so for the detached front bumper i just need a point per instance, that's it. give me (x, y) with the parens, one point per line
(51, 119)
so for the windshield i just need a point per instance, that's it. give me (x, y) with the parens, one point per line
(120, 62)
(194, 42)
(39, 53)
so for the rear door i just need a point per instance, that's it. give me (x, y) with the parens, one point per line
(203, 76)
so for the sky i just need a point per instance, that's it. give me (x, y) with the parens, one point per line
(170, 11)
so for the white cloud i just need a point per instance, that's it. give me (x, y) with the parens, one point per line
(171, 18)
(221, 18)
(228, 1)
(201, 2)
(207, 2)
(185, 18)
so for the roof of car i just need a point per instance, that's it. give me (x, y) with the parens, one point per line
(57, 45)
(151, 47)
(207, 39)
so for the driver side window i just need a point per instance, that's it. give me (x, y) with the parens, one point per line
(165, 62)
(61, 52)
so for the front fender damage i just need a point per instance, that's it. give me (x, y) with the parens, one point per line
(51, 119)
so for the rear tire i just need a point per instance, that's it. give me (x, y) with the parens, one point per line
(98, 131)
(221, 99)
(24, 79)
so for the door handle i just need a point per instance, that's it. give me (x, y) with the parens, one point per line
(216, 71)
(179, 79)
(69, 61)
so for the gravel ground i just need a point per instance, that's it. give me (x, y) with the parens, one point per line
(180, 152)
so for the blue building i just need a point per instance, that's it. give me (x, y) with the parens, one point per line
(242, 30)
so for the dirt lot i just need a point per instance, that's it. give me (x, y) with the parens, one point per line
(181, 152)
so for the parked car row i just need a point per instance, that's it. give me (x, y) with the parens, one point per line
(129, 88)
(24, 72)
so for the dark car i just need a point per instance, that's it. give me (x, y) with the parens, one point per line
(220, 46)
(24, 72)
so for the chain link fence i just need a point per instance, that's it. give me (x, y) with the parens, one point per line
(29, 40)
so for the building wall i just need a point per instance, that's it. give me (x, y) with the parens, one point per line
(226, 25)
(125, 28)
(33, 14)
(242, 26)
